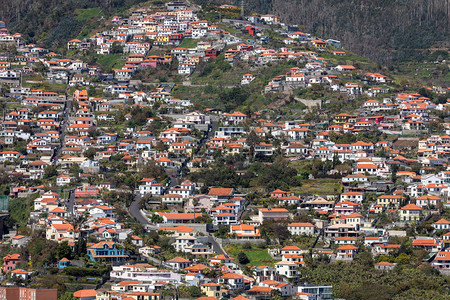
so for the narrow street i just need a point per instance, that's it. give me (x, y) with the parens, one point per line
(215, 246)
(62, 130)
(70, 202)
(135, 210)
(175, 175)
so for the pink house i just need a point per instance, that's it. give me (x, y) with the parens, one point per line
(149, 63)
(346, 208)
(374, 119)
(279, 194)
(87, 191)
(10, 262)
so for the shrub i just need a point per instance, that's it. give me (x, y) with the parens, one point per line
(242, 258)
(247, 245)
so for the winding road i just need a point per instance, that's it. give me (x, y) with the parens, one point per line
(135, 210)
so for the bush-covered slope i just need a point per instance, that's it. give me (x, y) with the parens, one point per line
(53, 22)
(383, 30)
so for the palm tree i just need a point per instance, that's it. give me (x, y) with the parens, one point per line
(78, 222)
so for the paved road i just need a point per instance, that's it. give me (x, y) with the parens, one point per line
(70, 202)
(214, 124)
(135, 210)
(62, 131)
(135, 205)
(215, 246)
(173, 174)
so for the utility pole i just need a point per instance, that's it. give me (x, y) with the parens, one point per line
(242, 9)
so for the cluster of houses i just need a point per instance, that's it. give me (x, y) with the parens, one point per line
(74, 140)
(147, 281)
(143, 31)
(320, 72)
(342, 222)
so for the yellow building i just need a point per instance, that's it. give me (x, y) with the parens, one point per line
(162, 38)
(390, 200)
(345, 118)
(318, 44)
(212, 289)
(410, 213)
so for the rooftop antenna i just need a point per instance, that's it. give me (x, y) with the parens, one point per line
(242, 8)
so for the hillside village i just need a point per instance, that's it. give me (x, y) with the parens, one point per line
(118, 188)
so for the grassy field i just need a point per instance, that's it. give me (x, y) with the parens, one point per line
(305, 242)
(218, 76)
(257, 256)
(228, 28)
(429, 72)
(88, 13)
(321, 186)
(349, 59)
(111, 61)
(188, 43)
(57, 88)
(90, 18)
(296, 105)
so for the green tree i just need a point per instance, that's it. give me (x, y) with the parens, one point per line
(116, 48)
(90, 153)
(80, 247)
(78, 221)
(156, 219)
(42, 251)
(278, 175)
(161, 147)
(212, 273)
(64, 251)
(365, 259)
(151, 170)
(252, 139)
(190, 292)
(276, 231)
(275, 295)
(67, 296)
(435, 126)
(394, 170)
(242, 258)
(50, 171)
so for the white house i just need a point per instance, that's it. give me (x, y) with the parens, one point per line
(353, 197)
(186, 68)
(301, 228)
(247, 78)
(287, 269)
(150, 186)
(442, 224)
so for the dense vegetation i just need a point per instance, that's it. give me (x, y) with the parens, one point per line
(358, 280)
(55, 22)
(379, 29)
(19, 210)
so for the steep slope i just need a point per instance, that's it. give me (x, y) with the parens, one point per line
(383, 30)
(52, 22)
